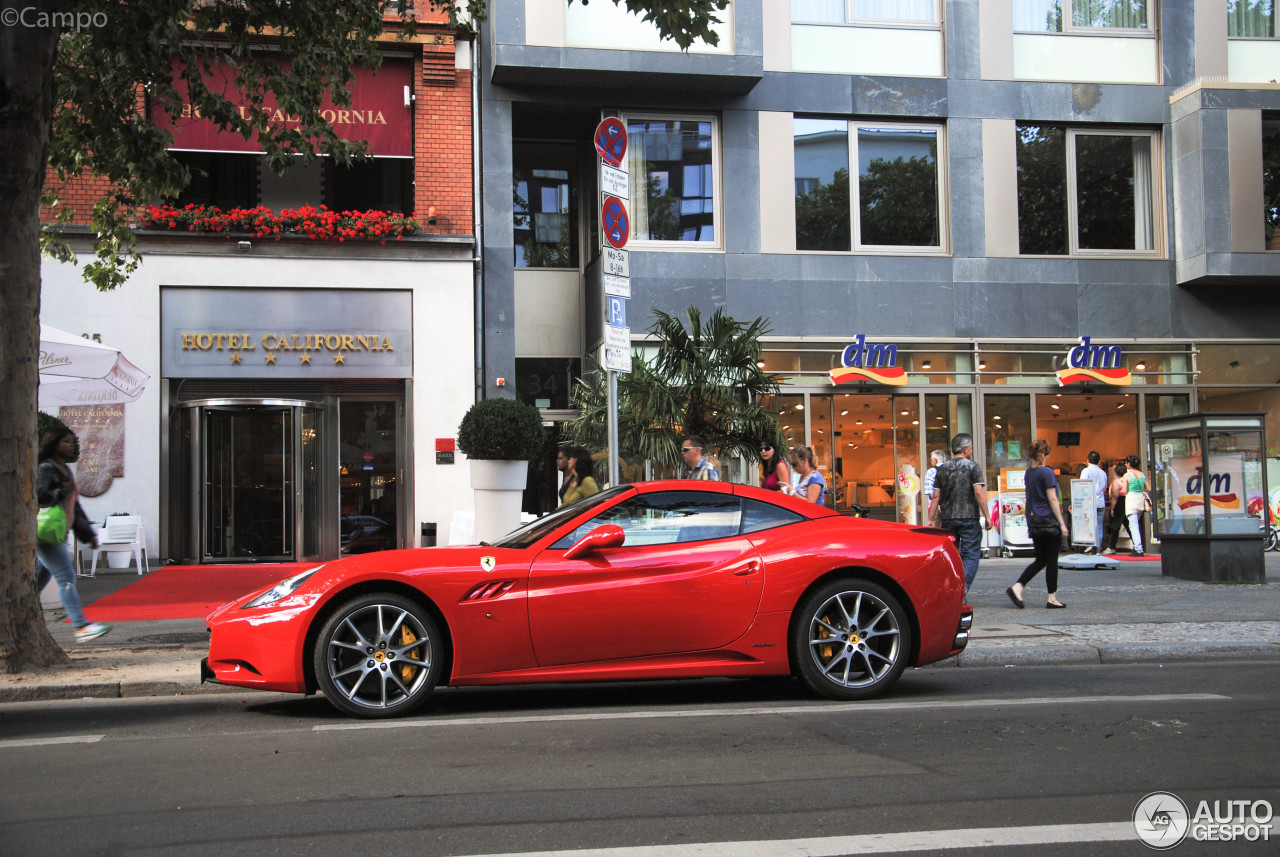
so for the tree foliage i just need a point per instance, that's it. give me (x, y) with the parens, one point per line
(703, 379)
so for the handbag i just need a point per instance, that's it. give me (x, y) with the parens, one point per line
(51, 525)
(1146, 502)
(1042, 523)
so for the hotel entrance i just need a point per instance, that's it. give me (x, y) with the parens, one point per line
(873, 448)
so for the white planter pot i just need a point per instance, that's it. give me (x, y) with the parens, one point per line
(499, 489)
(119, 559)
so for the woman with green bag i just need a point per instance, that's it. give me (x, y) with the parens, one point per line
(56, 486)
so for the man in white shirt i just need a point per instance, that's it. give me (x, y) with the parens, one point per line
(1098, 477)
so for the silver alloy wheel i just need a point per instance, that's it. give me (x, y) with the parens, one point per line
(855, 639)
(377, 657)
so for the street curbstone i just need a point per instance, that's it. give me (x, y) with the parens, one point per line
(1028, 656)
(1133, 653)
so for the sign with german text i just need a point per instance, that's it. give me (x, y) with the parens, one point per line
(615, 182)
(616, 262)
(616, 286)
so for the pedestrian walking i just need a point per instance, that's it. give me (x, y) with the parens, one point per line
(1135, 502)
(579, 476)
(1115, 509)
(812, 486)
(1098, 477)
(775, 473)
(697, 467)
(935, 459)
(55, 485)
(1048, 527)
(960, 501)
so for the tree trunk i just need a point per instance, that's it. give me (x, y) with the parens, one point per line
(26, 111)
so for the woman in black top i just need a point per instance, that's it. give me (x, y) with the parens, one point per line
(1047, 526)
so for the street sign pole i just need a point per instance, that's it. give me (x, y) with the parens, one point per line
(611, 144)
(613, 427)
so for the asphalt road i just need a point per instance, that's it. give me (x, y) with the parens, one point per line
(1030, 758)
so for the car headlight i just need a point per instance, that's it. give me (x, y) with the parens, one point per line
(283, 589)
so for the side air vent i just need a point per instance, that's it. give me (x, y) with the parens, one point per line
(489, 589)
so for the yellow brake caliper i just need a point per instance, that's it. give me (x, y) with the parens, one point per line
(407, 637)
(825, 651)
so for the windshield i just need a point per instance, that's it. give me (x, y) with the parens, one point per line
(535, 530)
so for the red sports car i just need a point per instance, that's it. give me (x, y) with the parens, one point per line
(655, 580)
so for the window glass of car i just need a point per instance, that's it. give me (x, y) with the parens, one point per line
(758, 516)
(535, 530)
(666, 518)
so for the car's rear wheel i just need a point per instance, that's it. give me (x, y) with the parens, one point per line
(378, 655)
(851, 640)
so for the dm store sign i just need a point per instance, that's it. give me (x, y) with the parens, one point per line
(865, 361)
(1087, 362)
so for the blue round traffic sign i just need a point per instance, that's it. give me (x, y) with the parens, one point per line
(615, 222)
(611, 141)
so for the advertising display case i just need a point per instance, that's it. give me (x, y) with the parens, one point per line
(1209, 495)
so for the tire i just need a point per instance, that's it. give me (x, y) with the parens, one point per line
(1272, 540)
(378, 655)
(870, 640)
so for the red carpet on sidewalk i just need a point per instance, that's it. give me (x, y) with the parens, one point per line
(186, 591)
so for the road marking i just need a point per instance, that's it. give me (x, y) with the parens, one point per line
(874, 843)
(40, 742)
(835, 708)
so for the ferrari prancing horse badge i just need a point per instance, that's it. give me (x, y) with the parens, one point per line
(488, 563)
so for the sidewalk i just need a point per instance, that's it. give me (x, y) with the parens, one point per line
(1129, 615)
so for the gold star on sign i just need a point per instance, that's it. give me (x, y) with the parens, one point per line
(339, 360)
(235, 358)
(306, 360)
(271, 358)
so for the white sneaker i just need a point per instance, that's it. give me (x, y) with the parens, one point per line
(92, 631)
(1108, 552)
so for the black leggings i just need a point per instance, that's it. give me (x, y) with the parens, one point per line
(1047, 543)
(1114, 522)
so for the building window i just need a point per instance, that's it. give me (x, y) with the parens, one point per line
(896, 202)
(220, 179)
(376, 184)
(674, 165)
(1058, 16)
(544, 205)
(1271, 181)
(1084, 190)
(856, 11)
(1251, 19)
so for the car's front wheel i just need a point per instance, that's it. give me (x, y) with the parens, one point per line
(378, 655)
(851, 640)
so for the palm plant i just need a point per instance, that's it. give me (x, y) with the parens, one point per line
(703, 379)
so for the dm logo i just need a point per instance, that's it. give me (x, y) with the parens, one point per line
(861, 361)
(1087, 362)
(1161, 820)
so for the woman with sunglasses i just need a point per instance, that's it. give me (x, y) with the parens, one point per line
(775, 472)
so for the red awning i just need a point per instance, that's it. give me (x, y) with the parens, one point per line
(377, 114)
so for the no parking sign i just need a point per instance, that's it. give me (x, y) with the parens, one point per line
(615, 222)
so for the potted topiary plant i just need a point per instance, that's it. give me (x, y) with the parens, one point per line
(499, 437)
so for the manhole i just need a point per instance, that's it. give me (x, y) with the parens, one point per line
(171, 639)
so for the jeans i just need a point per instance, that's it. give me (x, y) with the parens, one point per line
(1098, 529)
(969, 540)
(54, 560)
(1135, 530)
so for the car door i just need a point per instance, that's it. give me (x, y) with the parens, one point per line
(684, 580)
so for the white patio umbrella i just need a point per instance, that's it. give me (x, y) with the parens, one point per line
(79, 371)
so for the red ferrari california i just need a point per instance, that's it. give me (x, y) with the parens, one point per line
(656, 580)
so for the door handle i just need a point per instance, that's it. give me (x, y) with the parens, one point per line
(750, 568)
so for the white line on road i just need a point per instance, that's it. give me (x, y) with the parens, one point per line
(40, 742)
(837, 708)
(874, 843)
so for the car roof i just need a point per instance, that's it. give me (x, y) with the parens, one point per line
(795, 504)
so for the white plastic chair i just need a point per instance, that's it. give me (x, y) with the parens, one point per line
(121, 533)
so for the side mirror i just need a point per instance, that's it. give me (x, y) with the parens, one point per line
(604, 536)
